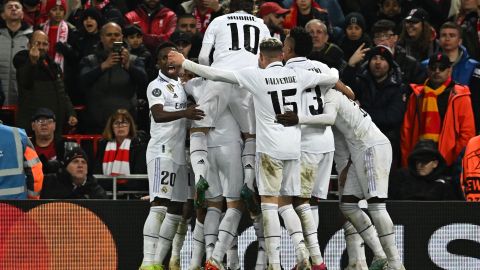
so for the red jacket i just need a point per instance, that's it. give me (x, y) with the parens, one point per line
(457, 128)
(156, 28)
(470, 178)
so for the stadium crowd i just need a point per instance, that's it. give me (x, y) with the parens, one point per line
(81, 69)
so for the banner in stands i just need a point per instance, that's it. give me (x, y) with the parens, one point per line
(108, 235)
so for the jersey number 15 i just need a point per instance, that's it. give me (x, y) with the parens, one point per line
(276, 100)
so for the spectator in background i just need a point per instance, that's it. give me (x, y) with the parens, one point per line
(47, 146)
(122, 150)
(183, 41)
(391, 10)
(156, 21)
(383, 32)
(470, 178)
(111, 80)
(468, 18)
(32, 13)
(424, 178)
(187, 23)
(106, 8)
(273, 16)
(418, 37)
(439, 110)
(323, 51)
(72, 180)
(204, 11)
(21, 176)
(302, 11)
(40, 84)
(133, 36)
(355, 35)
(14, 35)
(379, 91)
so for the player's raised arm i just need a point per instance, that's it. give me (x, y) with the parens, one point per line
(206, 72)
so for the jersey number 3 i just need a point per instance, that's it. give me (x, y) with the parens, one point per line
(247, 43)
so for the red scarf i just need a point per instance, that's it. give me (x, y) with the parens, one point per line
(116, 159)
(202, 20)
(430, 120)
(97, 5)
(56, 33)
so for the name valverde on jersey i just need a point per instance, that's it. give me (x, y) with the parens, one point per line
(167, 139)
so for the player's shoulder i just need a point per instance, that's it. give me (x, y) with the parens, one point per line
(319, 65)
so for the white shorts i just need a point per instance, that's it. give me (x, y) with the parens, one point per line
(225, 171)
(277, 177)
(167, 180)
(190, 183)
(315, 174)
(218, 96)
(368, 174)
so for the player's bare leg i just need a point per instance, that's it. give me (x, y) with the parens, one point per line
(198, 252)
(182, 229)
(199, 161)
(294, 228)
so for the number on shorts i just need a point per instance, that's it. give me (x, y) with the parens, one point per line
(246, 38)
(318, 99)
(276, 101)
(168, 178)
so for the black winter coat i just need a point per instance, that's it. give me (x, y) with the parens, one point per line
(59, 186)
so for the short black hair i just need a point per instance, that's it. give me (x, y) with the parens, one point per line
(245, 5)
(166, 44)
(383, 26)
(303, 44)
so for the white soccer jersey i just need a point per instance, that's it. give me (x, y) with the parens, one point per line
(276, 89)
(236, 38)
(315, 138)
(167, 139)
(226, 128)
(353, 122)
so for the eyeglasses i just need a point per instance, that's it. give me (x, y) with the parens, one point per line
(44, 121)
(383, 36)
(121, 123)
(439, 67)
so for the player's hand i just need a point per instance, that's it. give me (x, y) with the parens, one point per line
(358, 55)
(175, 58)
(193, 113)
(287, 119)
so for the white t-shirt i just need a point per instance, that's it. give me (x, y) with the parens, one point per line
(276, 89)
(167, 139)
(315, 138)
(236, 38)
(354, 123)
(226, 128)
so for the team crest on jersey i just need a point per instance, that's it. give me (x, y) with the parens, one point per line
(156, 92)
(170, 88)
(164, 189)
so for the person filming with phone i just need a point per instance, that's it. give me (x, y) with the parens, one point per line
(111, 79)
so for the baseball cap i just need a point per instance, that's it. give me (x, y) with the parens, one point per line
(417, 15)
(43, 112)
(440, 59)
(179, 36)
(271, 7)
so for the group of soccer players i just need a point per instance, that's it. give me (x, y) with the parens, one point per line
(265, 118)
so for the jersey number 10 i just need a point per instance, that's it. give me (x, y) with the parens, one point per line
(247, 45)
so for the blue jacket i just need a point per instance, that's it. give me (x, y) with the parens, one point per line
(463, 69)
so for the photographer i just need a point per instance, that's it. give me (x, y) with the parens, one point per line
(71, 180)
(111, 79)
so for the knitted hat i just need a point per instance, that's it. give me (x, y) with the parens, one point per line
(75, 152)
(53, 3)
(425, 151)
(131, 30)
(382, 50)
(355, 18)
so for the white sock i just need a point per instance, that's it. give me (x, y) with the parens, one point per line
(210, 227)
(233, 262)
(226, 232)
(150, 233)
(384, 225)
(198, 154)
(293, 225)
(271, 230)
(179, 237)
(261, 263)
(355, 245)
(309, 232)
(198, 246)
(166, 235)
(364, 227)
(314, 209)
(248, 161)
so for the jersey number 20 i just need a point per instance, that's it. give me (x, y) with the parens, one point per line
(246, 37)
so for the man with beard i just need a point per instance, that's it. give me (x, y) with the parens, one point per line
(273, 16)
